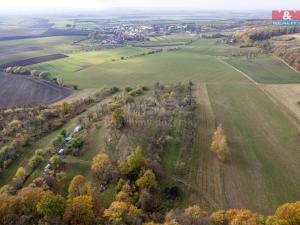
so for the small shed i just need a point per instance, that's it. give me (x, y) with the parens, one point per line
(61, 152)
(77, 128)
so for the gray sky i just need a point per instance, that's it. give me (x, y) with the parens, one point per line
(52, 5)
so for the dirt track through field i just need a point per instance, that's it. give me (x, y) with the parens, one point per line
(244, 74)
(18, 91)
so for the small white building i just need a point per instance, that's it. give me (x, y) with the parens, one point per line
(77, 128)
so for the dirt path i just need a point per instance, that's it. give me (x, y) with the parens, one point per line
(281, 60)
(205, 179)
(232, 67)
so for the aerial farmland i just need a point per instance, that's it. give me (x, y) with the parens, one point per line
(149, 120)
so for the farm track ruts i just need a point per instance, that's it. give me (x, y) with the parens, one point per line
(18, 91)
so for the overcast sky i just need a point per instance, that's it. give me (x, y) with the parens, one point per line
(51, 5)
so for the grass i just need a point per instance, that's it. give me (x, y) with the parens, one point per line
(263, 170)
(86, 25)
(172, 154)
(170, 67)
(266, 69)
(79, 61)
(68, 24)
(181, 38)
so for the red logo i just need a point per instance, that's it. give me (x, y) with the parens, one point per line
(285, 15)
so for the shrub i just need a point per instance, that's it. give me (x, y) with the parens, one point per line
(44, 75)
(35, 160)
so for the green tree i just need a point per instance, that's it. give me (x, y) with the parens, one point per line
(55, 160)
(35, 160)
(118, 118)
(51, 206)
(57, 141)
(133, 163)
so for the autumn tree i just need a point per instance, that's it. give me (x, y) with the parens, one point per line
(6, 189)
(103, 168)
(219, 144)
(79, 211)
(218, 217)
(66, 108)
(123, 213)
(28, 198)
(194, 214)
(148, 180)
(78, 186)
(21, 172)
(244, 216)
(52, 207)
(289, 213)
(8, 207)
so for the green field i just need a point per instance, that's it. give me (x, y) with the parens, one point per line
(171, 67)
(172, 38)
(69, 24)
(63, 24)
(266, 69)
(26, 48)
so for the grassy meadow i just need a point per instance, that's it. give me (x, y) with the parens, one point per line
(266, 69)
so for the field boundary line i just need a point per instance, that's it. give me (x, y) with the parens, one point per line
(236, 69)
(281, 60)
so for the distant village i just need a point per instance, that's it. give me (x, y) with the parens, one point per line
(116, 35)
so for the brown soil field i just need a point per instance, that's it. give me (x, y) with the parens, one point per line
(19, 90)
(35, 60)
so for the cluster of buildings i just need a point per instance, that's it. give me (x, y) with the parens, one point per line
(114, 35)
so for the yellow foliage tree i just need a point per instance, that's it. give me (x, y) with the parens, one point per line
(102, 168)
(119, 211)
(148, 180)
(289, 213)
(194, 214)
(78, 186)
(219, 144)
(79, 211)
